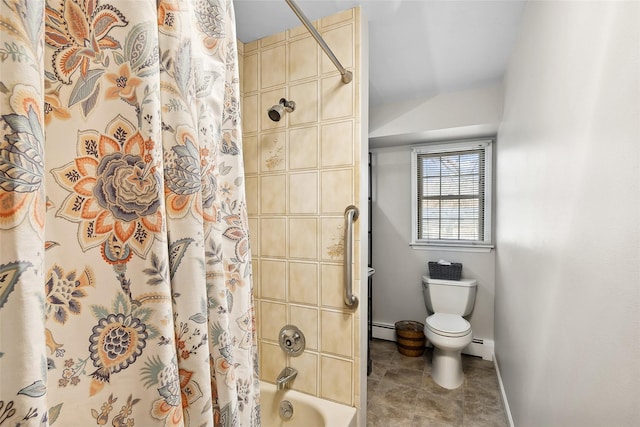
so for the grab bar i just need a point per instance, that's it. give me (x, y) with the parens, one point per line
(350, 215)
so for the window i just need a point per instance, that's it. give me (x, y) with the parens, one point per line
(452, 194)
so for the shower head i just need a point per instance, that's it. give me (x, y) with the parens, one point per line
(276, 112)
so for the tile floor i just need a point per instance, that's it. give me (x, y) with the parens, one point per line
(401, 392)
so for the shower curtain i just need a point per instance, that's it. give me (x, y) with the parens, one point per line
(125, 268)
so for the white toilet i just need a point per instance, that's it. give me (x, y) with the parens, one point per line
(447, 301)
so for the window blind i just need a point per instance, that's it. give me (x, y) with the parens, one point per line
(451, 195)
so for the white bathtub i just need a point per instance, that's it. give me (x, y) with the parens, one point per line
(308, 411)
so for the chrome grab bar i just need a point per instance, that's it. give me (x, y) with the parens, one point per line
(350, 215)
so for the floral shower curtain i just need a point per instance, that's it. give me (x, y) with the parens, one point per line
(125, 270)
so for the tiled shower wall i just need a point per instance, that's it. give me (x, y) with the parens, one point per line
(301, 174)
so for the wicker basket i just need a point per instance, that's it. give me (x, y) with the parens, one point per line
(410, 338)
(447, 272)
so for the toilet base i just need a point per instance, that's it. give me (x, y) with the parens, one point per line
(446, 368)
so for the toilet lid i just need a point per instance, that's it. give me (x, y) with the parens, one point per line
(451, 325)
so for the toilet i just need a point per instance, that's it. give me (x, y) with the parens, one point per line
(447, 302)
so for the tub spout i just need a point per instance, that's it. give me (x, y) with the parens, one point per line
(286, 377)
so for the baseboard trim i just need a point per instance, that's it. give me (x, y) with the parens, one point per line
(386, 331)
(505, 402)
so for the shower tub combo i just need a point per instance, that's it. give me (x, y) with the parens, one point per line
(302, 410)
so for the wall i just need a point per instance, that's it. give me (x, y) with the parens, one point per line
(301, 174)
(568, 209)
(397, 283)
(444, 116)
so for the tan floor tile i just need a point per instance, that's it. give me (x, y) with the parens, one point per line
(430, 386)
(372, 384)
(377, 370)
(382, 357)
(386, 416)
(401, 392)
(398, 396)
(382, 345)
(404, 376)
(439, 408)
(418, 363)
(422, 421)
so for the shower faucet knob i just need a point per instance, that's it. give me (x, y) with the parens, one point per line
(292, 340)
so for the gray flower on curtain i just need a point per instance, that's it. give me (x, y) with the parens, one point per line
(116, 342)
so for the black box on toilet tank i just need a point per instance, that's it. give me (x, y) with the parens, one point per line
(446, 272)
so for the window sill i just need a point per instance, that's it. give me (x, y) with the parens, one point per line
(453, 247)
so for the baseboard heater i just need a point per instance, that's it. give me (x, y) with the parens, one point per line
(384, 325)
(478, 347)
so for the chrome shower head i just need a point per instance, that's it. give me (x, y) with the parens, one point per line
(277, 111)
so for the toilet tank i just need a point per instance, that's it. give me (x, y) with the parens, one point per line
(449, 296)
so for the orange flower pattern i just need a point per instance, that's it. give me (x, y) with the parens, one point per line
(115, 191)
(79, 31)
(123, 84)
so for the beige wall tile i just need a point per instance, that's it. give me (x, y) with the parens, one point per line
(332, 240)
(341, 41)
(273, 67)
(267, 100)
(250, 113)
(337, 98)
(303, 59)
(303, 148)
(303, 193)
(307, 366)
(273, 148)
(306, 318)
(297, 238)
(356, 253)
(332, 285)
(250, 73)
(356, 341)
(336, 191)
(336, 333)
(336, 144)
(250, 154)
(254, 237)
(273, 316)
(272, 39)
(336, 18)
(303, 238)
(251, 46)
(356, 389)
(336, 379)
(240, 49)
(303, 282)
(300, 30)
(273, 280)
(305, 96)
(272, 361)
(252, 194)
(273, 240)
(273, 194)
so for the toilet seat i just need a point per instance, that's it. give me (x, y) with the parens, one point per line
(448, 325)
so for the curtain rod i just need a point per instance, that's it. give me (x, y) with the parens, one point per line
(347, 76)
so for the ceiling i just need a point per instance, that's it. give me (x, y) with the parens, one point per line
(417, 49)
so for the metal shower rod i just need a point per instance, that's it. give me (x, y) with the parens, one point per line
(347, 76)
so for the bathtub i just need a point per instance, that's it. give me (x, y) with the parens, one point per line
(308, 411)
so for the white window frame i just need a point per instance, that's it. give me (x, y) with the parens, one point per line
(481, 246)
